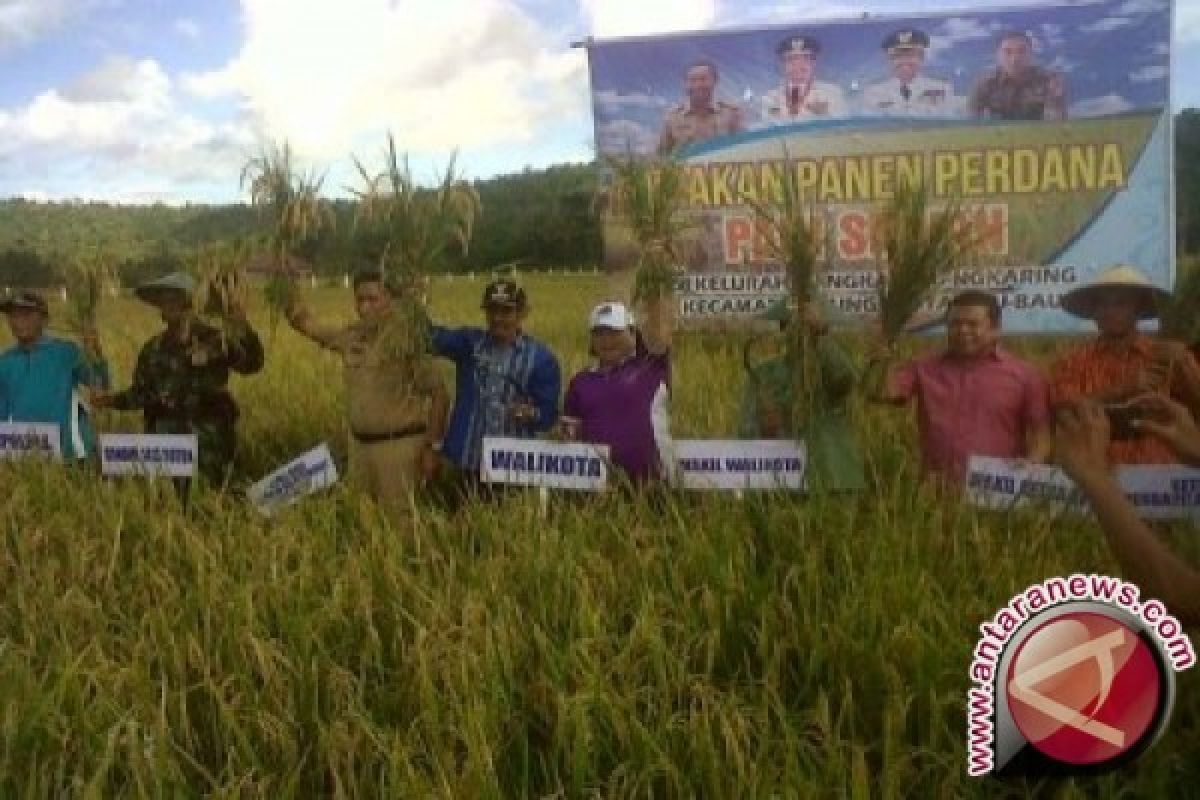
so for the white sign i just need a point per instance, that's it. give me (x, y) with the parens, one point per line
(304, 475)
(740, 464)
(553, 465)
(171, 455)
(1167, 491)
(20, 440)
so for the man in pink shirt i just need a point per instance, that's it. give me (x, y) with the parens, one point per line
(974, 398)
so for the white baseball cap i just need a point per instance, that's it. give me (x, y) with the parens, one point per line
(614, 316)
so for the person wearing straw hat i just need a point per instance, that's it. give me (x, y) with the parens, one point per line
(1122, 362)
(973, 398)
(41, 376)
(396, 409)
(621, 401)
(506, 382)
(181, 376)
(768, 400)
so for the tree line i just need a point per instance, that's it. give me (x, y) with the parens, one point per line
(536, 218)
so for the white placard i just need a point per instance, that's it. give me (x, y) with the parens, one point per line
(553, 465)
(304, 475)
(171, 455)
(1160, 491)
(20, 440)
(739, 464)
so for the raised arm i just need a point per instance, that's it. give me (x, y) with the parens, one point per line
(1081, 442)
(545, 385)
(302, 321)
(659, 325)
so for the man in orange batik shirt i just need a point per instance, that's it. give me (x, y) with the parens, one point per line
(1122, 362)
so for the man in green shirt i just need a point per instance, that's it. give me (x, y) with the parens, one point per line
(768, 409)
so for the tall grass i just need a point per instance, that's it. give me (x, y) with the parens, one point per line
(763, 647)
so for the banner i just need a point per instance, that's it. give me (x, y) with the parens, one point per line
(1049, 125)
(1167, 491)
(739, 464)
(304, 475)
(20, 440)
(551, 465)
(148, 455)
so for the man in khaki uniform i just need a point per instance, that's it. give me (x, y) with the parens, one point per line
(1018, 89)
(397, 411)
(801, 96)
(702, 116)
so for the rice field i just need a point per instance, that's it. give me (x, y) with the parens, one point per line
(762, 647)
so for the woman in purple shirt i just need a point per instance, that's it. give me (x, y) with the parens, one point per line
(621, 401)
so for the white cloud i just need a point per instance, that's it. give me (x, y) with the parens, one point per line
(1100, 106)
(188, 28)
(1107, 24)
(633, 17)
(116, 121)
(332, 77)
(1149, 74)
(955, 31)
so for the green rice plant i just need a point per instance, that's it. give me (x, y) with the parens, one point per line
(649, 198)
(919, 246)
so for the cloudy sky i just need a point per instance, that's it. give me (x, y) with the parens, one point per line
(148, 100)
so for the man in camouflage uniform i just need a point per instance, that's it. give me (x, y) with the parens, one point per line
(701, 116)
(180, 379)
(1018, 89)
(397, 409)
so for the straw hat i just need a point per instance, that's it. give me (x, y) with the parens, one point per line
(1081, 302)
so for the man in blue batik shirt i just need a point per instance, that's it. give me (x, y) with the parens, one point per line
(40, 376)
(506, 383)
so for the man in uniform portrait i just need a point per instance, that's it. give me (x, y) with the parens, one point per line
(801, 96)
(701, 116)
(1018, 89)
(908, 93)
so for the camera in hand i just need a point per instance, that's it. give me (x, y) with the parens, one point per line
(1121, 419)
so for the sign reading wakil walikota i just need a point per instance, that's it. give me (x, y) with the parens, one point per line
(1048, 127)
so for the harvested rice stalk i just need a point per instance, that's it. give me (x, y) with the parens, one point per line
(649, 197)
(920, 246)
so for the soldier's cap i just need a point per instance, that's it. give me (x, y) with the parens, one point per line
(801, 44)
(24, 300)
(172, 285)
(1081, 302)
(906, 39)
(503, 294)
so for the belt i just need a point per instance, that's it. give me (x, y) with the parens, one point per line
(373, 438)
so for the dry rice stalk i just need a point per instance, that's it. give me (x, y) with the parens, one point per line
(920, 247)
(87, 275)
(291, 199)
(222, 286)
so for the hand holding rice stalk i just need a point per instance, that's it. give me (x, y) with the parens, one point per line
(221, 289)
(920, 246)
(88, 276)
(291, 199)
(649, 197)
(417, 226)
(790, 222)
